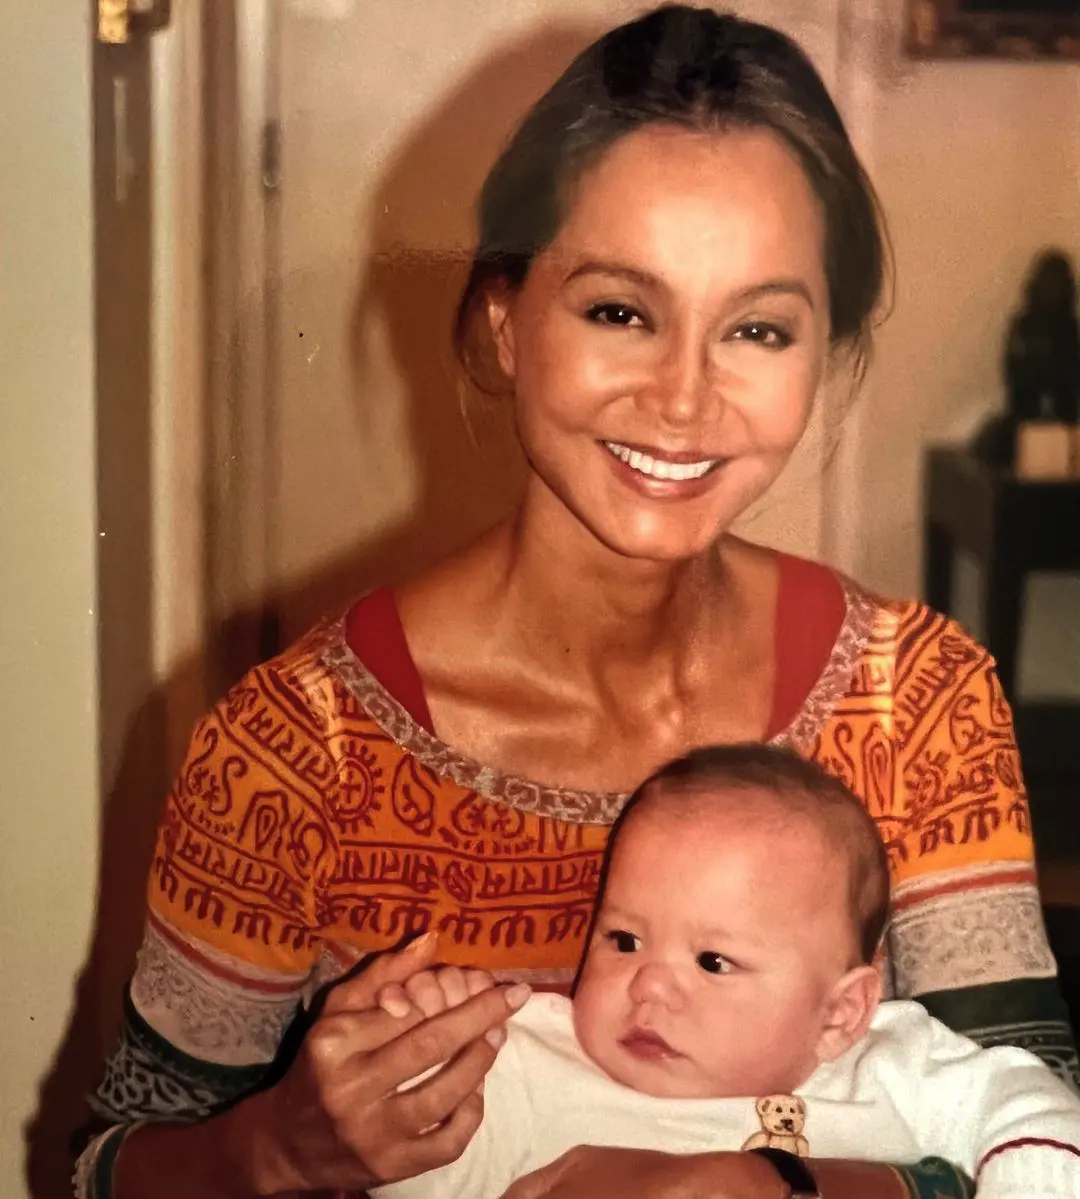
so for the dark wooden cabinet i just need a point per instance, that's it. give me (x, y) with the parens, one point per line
(1011, 526)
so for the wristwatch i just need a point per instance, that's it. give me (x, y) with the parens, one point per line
(793, 1171)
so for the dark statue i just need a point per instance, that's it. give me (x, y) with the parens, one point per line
(1042, 359)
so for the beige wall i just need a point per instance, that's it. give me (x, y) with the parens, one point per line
(48, 713)
(977, 165)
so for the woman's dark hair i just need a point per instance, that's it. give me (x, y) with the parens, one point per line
(706, 71)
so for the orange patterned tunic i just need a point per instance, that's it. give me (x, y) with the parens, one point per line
(317, 820)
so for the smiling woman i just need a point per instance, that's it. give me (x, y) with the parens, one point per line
(673, 250)
(677, 324)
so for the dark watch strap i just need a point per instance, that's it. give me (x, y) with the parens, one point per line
(793, 1171)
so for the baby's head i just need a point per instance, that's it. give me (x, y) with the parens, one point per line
(745, 894)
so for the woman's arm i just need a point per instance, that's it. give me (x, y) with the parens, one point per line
(235, 907)
(336, 1120)
(148, 1080)
(967, 937)
(592, 1173)
(925, 736)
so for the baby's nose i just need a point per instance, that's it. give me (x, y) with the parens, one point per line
(655, 982)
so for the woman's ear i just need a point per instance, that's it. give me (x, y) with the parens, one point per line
(499, 303)
(848, 1011)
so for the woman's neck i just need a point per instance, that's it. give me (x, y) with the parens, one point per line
(570, 596)
(549, 655)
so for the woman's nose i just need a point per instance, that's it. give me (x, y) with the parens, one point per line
(682, 390)
(655, 982)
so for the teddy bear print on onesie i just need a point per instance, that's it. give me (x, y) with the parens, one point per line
(783, 1118)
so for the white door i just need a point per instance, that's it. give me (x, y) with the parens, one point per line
(390, 112)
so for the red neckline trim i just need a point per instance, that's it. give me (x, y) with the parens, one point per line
(375, 634)
(810, 611)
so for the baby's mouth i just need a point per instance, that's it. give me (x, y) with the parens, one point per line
(647, 1046)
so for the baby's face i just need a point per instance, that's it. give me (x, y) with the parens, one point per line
(715, 955)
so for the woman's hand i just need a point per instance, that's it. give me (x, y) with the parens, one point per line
(588, 1172)
(338, 1120)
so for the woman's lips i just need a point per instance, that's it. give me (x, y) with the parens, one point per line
(646, 1046)
(682, 481)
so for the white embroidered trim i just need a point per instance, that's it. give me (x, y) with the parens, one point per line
(204, 1015)
(969, 939)
(82, 1180)
(574, 806)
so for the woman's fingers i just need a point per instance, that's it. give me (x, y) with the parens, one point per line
(442, 1037)
(447, 1142)
(434, 1100)
(340, 1116)
(539, 1182)
(340, 1046)
(388, 1051)
(359, 993)
(443, 1144)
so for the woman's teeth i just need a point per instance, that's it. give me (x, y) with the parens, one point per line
(657, 468)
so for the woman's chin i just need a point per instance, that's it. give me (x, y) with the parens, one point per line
(663, 541)
(661, 531)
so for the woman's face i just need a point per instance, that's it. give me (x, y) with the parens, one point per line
(666, 347)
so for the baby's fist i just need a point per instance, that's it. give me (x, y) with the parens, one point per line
(433, 991)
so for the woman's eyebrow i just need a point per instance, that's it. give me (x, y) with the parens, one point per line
(775, 287)
(632, 274)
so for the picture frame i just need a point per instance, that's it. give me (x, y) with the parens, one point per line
(1006, 29)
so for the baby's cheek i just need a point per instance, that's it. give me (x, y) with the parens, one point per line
(589, 1016)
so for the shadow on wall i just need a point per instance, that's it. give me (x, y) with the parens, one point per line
(127, 832)
(419, 226)
(465, 484)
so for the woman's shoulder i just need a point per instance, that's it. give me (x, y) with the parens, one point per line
(895, 665)
(303, 723)
(298, 689)
(914, 636)
(333, 671)
(860, 628)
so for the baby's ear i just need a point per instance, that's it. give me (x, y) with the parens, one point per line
(848, 1011)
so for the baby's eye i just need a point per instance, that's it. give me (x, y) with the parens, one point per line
(623, 941)
(762, 333)
(616, 314)
(714, 963)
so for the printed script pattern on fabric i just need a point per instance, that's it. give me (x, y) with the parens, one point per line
(298, 825)
(925, 737)
(314, 822)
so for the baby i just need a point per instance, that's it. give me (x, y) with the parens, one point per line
(729, 999)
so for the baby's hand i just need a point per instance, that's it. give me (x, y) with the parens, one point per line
(433, 991)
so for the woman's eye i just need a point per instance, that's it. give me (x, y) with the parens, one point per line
(616, 314)
(623, 941)
(761, 333)
(714, 963)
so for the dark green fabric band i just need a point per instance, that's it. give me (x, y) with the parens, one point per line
(933, 1178)
(1030, 1013)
